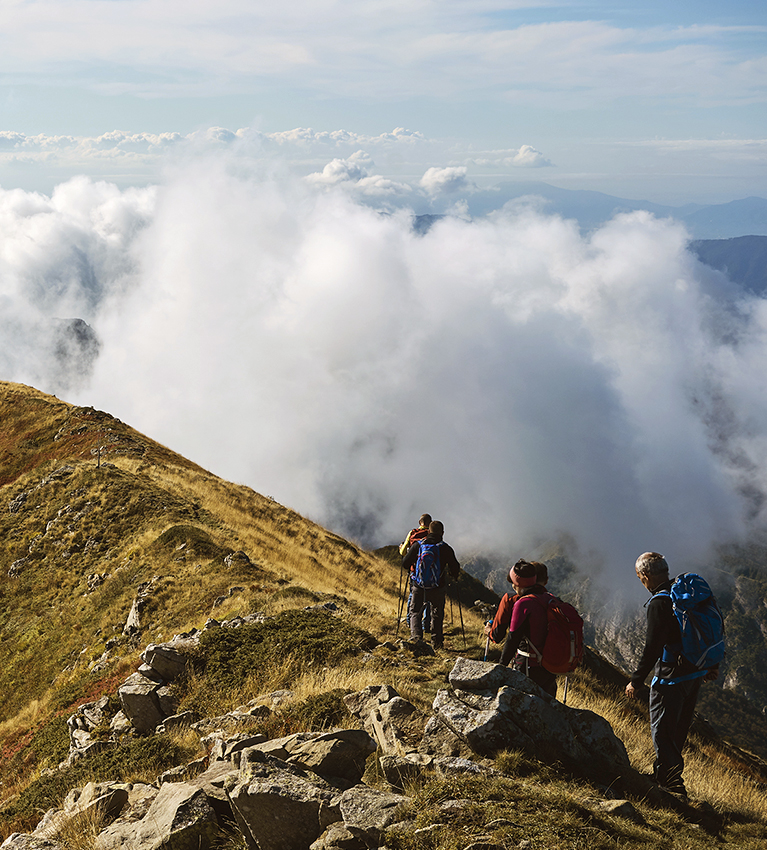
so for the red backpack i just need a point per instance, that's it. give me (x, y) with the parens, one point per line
(563, 648)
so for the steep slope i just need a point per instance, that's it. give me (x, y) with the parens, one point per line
(82, 530)
(109, 542)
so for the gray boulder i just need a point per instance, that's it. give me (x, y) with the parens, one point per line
(140, 701)
(439, 740)
(230, 749)
(278, 806)
(367, 812)
(396, 724)
(166, 659)
(491, 707)
(338, 837)
(338, 755)
(183, 816)
(176, 820)
(398, 770)
(184, 720)
(25, 841)
(621, 809)
(106, 798)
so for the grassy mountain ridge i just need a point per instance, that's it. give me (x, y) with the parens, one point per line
(80, 536)
(85, 534)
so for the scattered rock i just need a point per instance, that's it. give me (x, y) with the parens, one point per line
(278, 806)
(621, 809)
(18, 502)
(140, 702)
(17, 567)
(238, 559)
(491, 707)
(367, 812)
(133, 623)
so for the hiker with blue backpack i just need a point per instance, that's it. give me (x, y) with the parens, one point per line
(432, 561)
(684, 645)
(413, 535)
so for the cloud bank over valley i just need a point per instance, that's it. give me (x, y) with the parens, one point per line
(515, 377)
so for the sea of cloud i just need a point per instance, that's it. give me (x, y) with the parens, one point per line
(514, 377)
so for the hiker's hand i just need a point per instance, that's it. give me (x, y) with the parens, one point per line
(488, 628)
(631, 691)
(712, 674)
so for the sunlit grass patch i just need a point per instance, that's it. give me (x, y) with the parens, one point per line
(81, 830)
(137, 760)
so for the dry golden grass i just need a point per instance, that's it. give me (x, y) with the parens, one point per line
(723, 788)
(708, 779)
(80, 831)
(296, 563)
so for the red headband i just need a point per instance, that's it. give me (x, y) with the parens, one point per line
(522, 581)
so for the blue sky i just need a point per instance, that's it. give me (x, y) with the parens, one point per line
(661, 101)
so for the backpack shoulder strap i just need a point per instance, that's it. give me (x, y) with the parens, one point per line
(659, 593)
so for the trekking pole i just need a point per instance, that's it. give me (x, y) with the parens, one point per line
(486, 613)
(451, 609)
(399, 601)
(463, 631)
(564, 698)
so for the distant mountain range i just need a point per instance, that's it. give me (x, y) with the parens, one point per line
(744, 217)
(743, 259)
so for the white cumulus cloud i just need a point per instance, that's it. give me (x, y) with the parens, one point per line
(550, 381)
(529, 157)
(437, 181)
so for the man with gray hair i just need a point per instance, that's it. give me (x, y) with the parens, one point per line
(671, 705)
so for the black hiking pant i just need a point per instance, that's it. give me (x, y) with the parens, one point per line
(540, 675)
(671, 711)
(435, 596)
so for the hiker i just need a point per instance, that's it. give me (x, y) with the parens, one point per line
(671, 704)
(413, 535)
(432, 561)
(416, 534)
(497, 630)
(527, 624)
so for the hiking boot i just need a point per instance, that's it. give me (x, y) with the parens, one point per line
(679, 792)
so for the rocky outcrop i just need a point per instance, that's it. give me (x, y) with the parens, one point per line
(279, 806)
(183, 815)
(81, 726)
(104, 800)
(491, 707)
(305, 790)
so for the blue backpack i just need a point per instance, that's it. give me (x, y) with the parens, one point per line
(427, 571)
(700, 624)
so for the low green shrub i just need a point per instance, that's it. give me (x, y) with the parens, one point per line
(322, 711)
(140, 757)
(230, 656)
